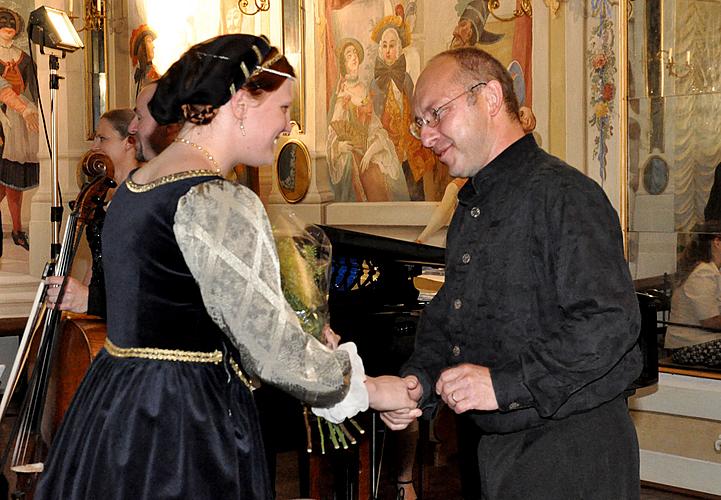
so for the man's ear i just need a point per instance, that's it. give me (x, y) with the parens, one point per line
(493, 93)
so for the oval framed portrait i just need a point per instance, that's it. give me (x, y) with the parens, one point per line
(655, 175)
(292, 168)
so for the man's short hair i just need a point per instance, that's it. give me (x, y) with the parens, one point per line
(478, 65)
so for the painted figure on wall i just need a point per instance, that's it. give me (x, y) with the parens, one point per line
(19, 167)
(391, 90)
(142, 52)
(362, 160)
(471, 28)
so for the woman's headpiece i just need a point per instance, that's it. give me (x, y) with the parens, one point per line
(392, 22)
(210, 72)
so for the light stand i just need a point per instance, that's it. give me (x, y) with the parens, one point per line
(52, 29)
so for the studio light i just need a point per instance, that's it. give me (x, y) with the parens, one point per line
(52, 29)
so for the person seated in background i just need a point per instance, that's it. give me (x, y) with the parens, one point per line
(88, 296)
(696, 301)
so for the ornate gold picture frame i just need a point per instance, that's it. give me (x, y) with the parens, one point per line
(292, 169)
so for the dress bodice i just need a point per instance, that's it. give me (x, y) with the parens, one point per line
(148, 281)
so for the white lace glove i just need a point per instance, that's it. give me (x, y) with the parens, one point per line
(357, 398)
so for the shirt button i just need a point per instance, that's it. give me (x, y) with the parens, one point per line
(457, 304)
(475, 212)
(514, 406)
(456, 351)
(466, 258)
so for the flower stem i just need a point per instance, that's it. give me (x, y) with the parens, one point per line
(320, 432)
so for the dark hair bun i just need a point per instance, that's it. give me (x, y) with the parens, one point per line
(203, 77)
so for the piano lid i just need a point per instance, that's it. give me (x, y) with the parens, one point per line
(369, 246)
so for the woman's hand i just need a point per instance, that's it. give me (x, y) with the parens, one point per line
(388, 393)
(331, 339)
(75, 297)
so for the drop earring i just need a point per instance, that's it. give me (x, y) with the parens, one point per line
(242, 127)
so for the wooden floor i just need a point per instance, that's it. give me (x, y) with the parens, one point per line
(442, 483)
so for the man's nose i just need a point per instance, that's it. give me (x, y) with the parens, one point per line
(429, 136)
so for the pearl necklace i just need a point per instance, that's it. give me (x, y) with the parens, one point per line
(202, 150)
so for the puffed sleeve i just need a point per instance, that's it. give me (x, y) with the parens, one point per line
(702, 289)
(224, 234)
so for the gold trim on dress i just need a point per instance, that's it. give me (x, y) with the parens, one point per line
(167, 179)
(157, 354)
(243, 378)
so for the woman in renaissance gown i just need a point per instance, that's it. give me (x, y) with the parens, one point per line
(362, 161)
(196, 314)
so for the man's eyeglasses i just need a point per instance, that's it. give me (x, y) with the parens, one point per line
(435, 118)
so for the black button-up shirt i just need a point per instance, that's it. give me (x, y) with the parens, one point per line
(537, 289)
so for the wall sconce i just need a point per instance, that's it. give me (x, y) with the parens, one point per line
(524, 9)
(94, 17)
(260, 6)
(672, 65)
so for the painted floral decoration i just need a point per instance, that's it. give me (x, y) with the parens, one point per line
(602, 61)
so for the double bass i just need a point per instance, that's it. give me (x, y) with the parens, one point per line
(26, 448)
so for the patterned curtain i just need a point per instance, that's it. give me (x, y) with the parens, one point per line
(697, 109)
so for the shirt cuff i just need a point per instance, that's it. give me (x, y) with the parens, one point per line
(356, 400)
(511, 392)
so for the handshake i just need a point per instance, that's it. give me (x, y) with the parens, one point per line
(395, 398)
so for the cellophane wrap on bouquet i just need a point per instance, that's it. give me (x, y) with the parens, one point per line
(304, 252)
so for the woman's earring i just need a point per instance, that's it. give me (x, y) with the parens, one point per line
(242, 127)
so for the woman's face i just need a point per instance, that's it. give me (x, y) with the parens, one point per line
(7, 33)
(108, 140)
(8, 30)
(390, 46)
(351, 59)
(265, 122)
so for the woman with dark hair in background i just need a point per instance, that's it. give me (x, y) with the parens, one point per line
(695, 332)
(196, 312)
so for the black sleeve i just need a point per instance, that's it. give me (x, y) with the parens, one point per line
(96, 300)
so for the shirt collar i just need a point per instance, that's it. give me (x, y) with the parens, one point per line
(508, 159)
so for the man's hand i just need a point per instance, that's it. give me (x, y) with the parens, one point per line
(397, 418)
(467, 387)
(75, 297)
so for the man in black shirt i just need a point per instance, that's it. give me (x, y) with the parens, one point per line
(534, 333)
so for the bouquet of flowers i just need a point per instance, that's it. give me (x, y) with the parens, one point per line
(304, 253)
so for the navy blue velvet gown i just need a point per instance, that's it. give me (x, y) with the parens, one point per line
(142, 428)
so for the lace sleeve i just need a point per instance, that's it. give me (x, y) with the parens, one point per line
(224, 234)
